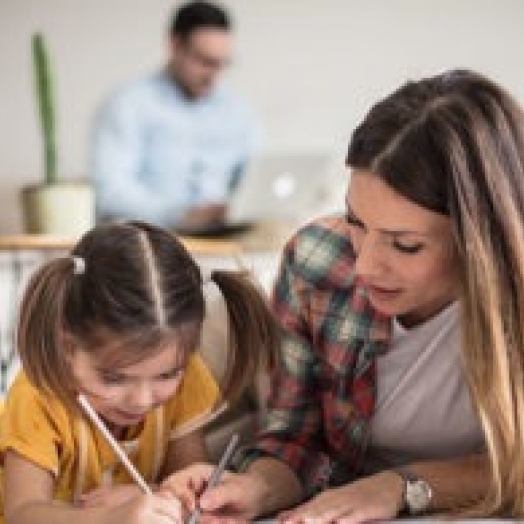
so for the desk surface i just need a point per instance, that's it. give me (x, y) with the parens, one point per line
(426, 520)
(267, 236)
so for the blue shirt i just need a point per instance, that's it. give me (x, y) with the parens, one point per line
(157, 153)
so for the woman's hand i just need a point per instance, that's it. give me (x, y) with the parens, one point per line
(372, 498)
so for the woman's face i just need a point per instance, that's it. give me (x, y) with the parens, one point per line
(123, 396)
(405, 253)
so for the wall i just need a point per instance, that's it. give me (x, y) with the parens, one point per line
(309, 67)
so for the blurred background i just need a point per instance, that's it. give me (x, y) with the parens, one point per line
(309, 68)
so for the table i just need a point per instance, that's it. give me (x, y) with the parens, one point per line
(256, 250)
(426, 520)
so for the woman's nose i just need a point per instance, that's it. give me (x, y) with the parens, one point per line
(369, 262)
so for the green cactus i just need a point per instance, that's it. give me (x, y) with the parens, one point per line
(44, 91)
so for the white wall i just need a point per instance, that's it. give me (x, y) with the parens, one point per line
(309, 67)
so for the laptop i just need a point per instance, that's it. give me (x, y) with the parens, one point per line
(288, 186)
(280, 186)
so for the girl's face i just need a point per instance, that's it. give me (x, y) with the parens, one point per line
(405, 253)
(123, 396)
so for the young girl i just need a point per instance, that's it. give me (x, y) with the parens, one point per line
(119, 321)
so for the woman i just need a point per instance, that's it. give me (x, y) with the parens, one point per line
(401, 388)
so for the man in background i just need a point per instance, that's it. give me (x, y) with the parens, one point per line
(169, 148)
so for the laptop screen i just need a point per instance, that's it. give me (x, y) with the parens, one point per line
(283, 186)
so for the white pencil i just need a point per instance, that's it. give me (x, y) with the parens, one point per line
(97, 421)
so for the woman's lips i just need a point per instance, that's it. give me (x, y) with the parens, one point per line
(382, 294)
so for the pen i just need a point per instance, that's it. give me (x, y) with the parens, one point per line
(216, 475)
(97, 421)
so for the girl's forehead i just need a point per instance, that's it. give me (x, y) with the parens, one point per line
(154, 362)
(167, 358)
(108, 350)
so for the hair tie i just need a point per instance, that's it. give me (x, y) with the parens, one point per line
(79, 265)
(207, 277)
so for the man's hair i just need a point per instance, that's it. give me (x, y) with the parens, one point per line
(197, 15)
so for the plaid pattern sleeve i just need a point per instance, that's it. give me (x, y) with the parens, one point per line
(322, 394)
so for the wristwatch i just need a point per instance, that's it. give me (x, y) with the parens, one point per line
(417, 492)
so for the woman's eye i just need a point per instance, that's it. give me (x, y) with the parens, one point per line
(409, 249)
(353, 221)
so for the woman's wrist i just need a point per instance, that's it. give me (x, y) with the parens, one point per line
(262, 493)
(275, 485)
(397, 489)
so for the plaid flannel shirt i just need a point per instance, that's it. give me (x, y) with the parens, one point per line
(323, 392)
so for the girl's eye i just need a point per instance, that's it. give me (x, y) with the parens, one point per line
(171, 375)
(408, 249)
(112, 379)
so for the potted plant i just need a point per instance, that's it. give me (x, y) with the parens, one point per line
(53, 206)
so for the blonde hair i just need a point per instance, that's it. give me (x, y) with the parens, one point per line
(454, 143)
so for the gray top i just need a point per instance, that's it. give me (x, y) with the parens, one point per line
(423, 409)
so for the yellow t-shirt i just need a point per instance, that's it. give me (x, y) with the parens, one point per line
(73, 450)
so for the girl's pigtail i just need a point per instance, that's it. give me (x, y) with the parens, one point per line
(41, 328)
(253, 334)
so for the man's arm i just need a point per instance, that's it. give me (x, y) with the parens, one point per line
(116, 159)
(244, 138)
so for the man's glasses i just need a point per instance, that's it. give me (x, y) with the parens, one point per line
(207, 61)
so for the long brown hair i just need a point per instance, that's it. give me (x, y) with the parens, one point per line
(139, 285)
(454, 144)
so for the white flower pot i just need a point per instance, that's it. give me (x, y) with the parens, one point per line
(65, 208)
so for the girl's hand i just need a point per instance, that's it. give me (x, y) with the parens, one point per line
(147, 509)
(108, 496)
(378, 497)
(189, 483)
(237, 497)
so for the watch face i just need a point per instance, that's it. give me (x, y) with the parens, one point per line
(418, 495)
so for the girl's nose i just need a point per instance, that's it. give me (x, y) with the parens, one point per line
(141, 397)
